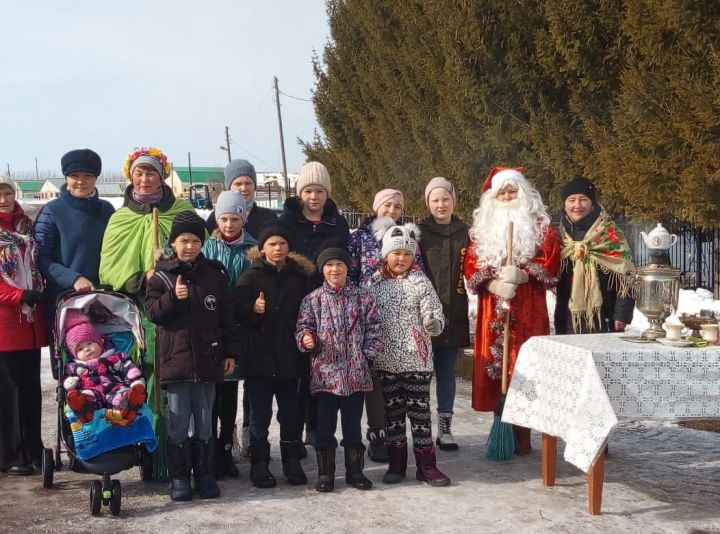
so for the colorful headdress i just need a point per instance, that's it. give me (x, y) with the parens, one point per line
(147, 154)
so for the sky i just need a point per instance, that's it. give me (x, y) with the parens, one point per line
(111, 76)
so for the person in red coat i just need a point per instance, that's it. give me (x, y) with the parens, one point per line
(520, 287)
(23, 334)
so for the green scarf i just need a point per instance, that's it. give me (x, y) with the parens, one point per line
(604, 247)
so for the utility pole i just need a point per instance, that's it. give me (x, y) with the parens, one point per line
(282, 139)
(190, 168)
(8, 165)
(227, 143)
(37, 175)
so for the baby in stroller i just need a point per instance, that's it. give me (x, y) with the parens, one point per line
(99, 376)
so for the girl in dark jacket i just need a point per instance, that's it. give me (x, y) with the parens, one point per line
(187, 297)
(443, 242)
(267, 300)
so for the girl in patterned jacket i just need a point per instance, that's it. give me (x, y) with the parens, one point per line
(411, 313)
(338, 323)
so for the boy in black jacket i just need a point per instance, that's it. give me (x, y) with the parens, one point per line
(198, 342)
(268, 298)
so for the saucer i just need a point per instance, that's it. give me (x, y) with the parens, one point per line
(635, 339)
(678, 343)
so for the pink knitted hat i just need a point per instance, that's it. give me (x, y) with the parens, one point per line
(79, 330)
(388, 194)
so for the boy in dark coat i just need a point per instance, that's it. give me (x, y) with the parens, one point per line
(267, 300)
(187, 298)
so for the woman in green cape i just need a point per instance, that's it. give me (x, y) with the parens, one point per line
(127, 259)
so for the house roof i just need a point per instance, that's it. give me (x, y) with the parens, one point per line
(30, 186)
(201, 174)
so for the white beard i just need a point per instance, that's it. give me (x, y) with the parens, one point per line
(490, 230)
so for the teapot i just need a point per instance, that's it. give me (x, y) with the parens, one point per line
(659, 239)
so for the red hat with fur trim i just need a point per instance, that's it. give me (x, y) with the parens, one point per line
(512, 174)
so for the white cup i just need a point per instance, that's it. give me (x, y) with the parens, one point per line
(673, 331)
(709, 332)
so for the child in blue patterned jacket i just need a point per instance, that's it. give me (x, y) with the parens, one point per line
(339, 325)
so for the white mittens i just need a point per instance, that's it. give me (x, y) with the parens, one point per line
(502, 289)
(432, 325)
(512, 275)
(71, 382)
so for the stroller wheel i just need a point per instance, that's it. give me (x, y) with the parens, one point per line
(48, 468)
(116, 498)
(95, 497)
(145, 460)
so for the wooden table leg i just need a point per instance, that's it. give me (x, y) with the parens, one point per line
(549, 459)
(596, 477)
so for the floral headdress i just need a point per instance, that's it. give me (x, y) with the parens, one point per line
(147, 151)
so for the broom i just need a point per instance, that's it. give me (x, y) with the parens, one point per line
(501, 441)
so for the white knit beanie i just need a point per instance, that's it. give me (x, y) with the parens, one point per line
(395, 237)
(5, 179)
(313, 173)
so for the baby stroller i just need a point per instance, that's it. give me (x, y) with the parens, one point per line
(116, 317)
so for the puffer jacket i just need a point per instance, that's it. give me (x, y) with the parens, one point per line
(196, 334)
(270, 349)
(348, 337)
(443, 251)
(364, 249)
(233, 257)
(402, 303)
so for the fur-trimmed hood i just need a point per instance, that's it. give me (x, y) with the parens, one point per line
(304, 265)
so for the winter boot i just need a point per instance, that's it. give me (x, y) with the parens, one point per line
(292, 469)
(445, 439)
(179, 466)
(354, 463)
(326, 470)
(377, 451)
(244, 442)
(426, 468)
(259, 466)
(205, 483)
(224, 465)
(522, 440)
(397, 455)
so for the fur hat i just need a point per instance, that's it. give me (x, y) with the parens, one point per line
(187, 222)
(231, 202)
(239, 167)
(274, 228)
(395, 237)
(313, 173)
(579, 186)
(387, 194)
(333, 249)
(439, 183)
(81, 160)
(80, 330)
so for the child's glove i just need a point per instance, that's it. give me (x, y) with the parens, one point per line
(512, 275)
(432, 325)
(71, 382)
(502, 289)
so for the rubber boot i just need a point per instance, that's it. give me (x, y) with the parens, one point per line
(397, 456)
(326, 470)
(179, 464)
(292, 469)
(205, 483)
(354, 464)
(224, 465)
(445, 439)
(377, 451)
(522, 440)
(259, 466)
(427, 470)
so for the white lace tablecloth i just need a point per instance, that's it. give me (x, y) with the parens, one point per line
(576, 387)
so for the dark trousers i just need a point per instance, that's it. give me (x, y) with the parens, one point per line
(20, 408)
(246, 409)
(351, 409)
(407, 396)
(260, 394)
(225, 410)
(308, 407)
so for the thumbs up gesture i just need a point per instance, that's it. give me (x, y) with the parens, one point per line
(432, 325)
(308, 341)
(259, 306)
(181, 289)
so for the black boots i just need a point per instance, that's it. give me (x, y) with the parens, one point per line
(292, 469)
(377, 451)
(354, 463)
(398, 456)
(180, 463)
(205, 483)
(224, 465)
(326, 470)
(427, 470)
(259, 466)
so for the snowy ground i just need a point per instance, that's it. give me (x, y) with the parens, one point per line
(659, 478)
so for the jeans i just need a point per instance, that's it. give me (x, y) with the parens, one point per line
(260, 394)
(351, 409)
(444, 360)
(186, 400)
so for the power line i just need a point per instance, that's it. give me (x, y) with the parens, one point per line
(295, 97)
(232, 141)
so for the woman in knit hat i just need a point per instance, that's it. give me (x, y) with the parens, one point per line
(22, 323)
(228, 244)
(444, 241)
(240, 176)
(365, 258)
(69, 232)
(127, 258)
